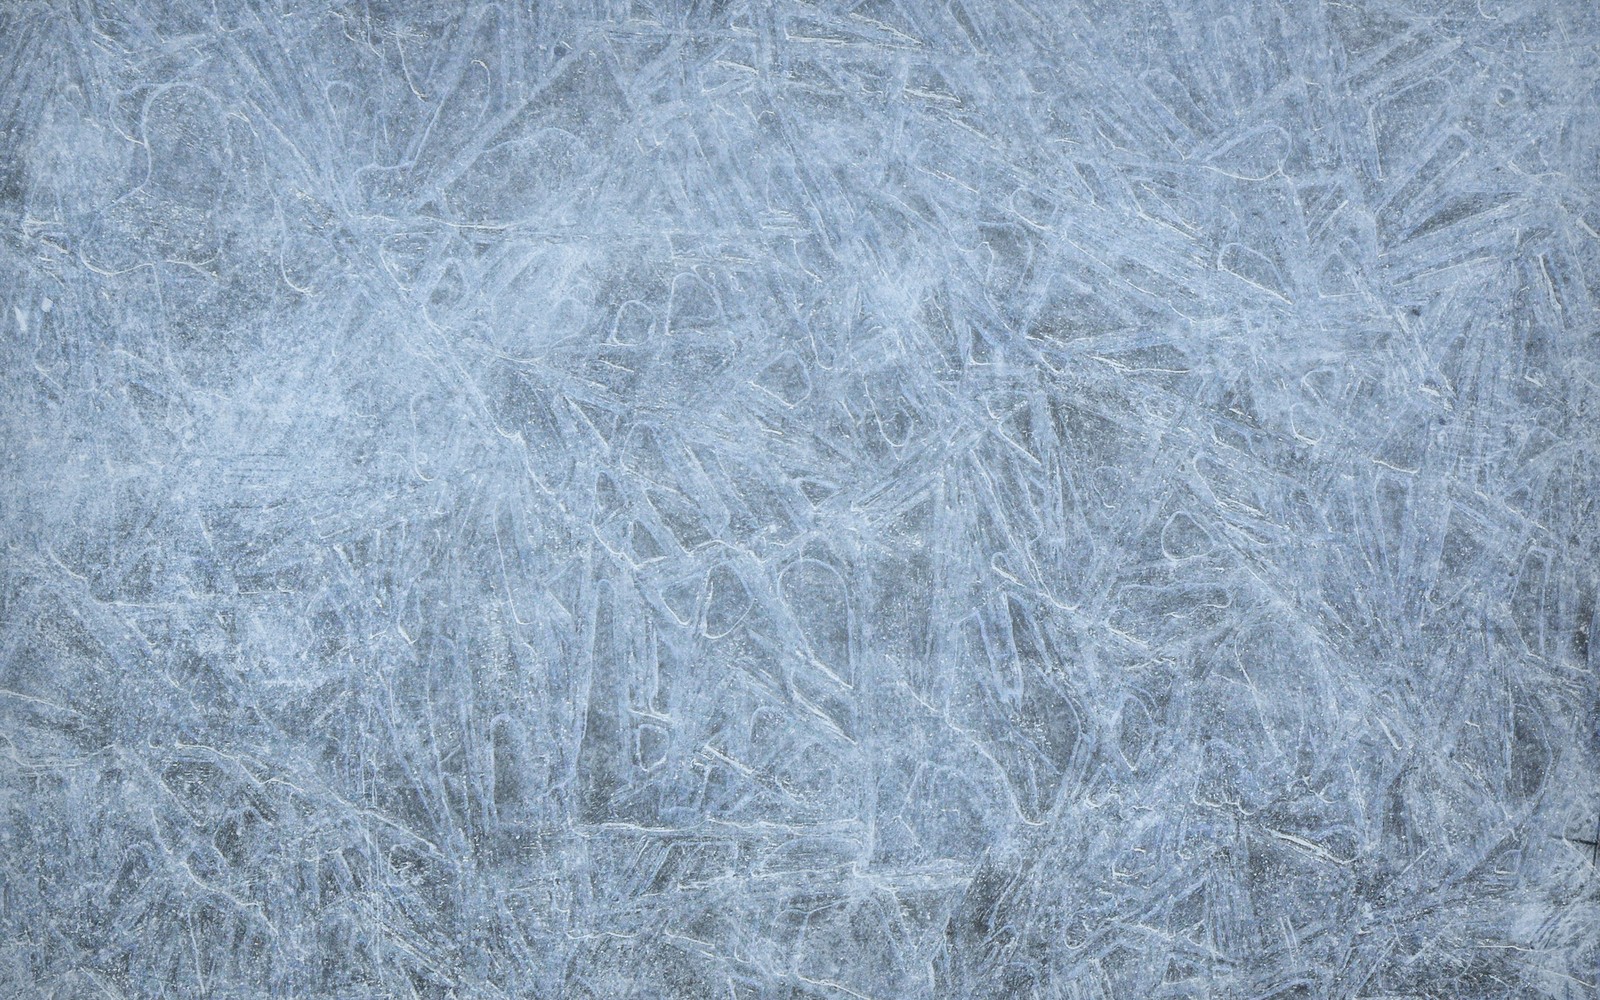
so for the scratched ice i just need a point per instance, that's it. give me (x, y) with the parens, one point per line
(886, 499)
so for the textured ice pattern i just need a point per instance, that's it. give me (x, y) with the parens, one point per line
(741, 500)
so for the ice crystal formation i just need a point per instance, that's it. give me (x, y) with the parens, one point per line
(882, 500)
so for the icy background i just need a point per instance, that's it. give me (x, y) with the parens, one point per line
(860, 500)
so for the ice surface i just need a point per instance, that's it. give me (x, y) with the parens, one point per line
(845, 500)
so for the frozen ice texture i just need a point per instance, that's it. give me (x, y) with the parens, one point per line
(846, 500)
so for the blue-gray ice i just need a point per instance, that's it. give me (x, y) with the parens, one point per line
(869, 500)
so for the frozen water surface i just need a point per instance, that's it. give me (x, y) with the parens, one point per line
(847, 500)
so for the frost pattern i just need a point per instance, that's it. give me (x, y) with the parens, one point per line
(843, 500)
